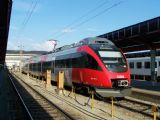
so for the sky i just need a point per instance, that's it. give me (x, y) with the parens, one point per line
(35, 22)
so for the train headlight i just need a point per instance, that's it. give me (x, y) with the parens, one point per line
(123, 83)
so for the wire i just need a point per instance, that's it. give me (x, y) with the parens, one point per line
(92, 17)
(83, 16)
(27, 18)
(30, 14)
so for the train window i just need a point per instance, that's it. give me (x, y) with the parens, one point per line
(46, 66)
(74, 62)
(131, 64)
(30, 67)
(39, 66)
(139, 65)
(91, 63)
(159, 63)
(34, 67)
(147, 64)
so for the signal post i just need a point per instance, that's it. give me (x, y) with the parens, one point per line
(60, 82)
(48, 81)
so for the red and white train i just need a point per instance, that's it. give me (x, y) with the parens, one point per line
(94, 63)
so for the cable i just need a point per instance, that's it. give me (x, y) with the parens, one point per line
(91, 18)
(28, 12)
(29, 16)
(86, 14)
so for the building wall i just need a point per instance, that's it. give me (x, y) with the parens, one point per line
(14, 60)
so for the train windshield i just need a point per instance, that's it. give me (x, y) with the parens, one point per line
(113, 60)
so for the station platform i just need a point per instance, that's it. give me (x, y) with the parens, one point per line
(3, 95)
(10, 107)
(146, 90)
(146, 85)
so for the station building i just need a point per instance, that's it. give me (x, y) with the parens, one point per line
(14, 57)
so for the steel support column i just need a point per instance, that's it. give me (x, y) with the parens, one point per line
(5, 13)
(153, 69)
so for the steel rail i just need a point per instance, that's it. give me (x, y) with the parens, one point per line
(54, 105)
(21, 100)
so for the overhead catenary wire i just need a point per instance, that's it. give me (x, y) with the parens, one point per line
(84, 15)
(29, 14)
(33, 6)
(93, 17)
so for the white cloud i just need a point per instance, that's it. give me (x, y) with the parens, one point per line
(92, 29)
(13, 28)
(46, 46)
(25, 6)
(12, 46)
(68, 30)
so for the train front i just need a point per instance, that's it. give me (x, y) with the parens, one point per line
(116, 77)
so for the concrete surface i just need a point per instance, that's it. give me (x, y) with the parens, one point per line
(3, 95)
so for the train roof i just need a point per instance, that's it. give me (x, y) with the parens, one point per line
(141, 54)
(86, 41)
(142, 58)
(95, 40)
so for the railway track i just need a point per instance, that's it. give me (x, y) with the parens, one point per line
(80, 109)
(36, 106)
(137, 106)
(133, 106)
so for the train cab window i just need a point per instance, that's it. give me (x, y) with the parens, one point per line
(131, 64)
(91, 63)
(147, 65)
(139, 65)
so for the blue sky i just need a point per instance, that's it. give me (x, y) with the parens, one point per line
(50, 18)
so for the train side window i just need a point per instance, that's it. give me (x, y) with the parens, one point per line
(159, 63)
(131, 64)
(155, 64)
(39, 66)
(74, 62)
(30, 67)
(139, 65)
(147, 65)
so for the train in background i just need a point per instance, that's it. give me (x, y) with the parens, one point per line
(140, 65)
(93, 63)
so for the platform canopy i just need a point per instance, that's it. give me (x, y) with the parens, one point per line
(141, 36)
(5, 13)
